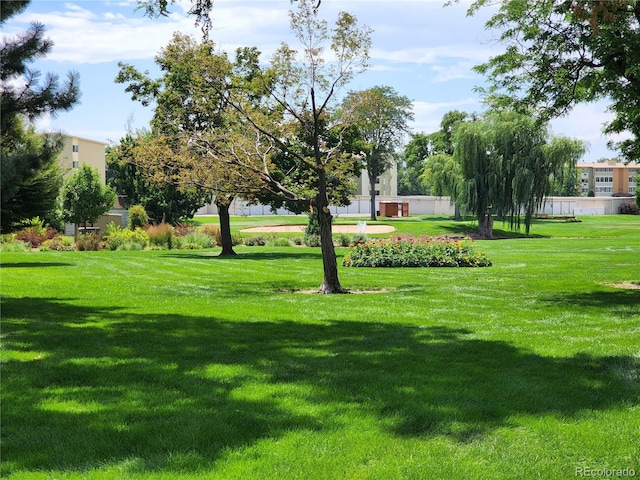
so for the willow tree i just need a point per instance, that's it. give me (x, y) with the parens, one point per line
(506, 167)
(380, 117)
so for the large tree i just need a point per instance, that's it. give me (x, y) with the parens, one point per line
(380, 117)
(163, 201)
(189, 99)
(30, 177)
(563, 52)
(506, 165)
(301, 89)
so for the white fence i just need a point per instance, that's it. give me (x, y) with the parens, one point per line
(428, 205)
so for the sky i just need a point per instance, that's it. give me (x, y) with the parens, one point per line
(422, 49)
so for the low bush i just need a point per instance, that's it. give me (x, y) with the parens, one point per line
(89, 242)
(194, 241)
(212, 231)
(344, 240)
(258, 241)
(35, 233)
(629, 209)
(312, 240)
(182, 229)
(275, 241)
(14, 246)
(138, 217)
(115, 238)
(58, 243)
(161, 235)
(414, 252)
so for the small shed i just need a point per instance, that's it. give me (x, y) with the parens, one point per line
(394, 209)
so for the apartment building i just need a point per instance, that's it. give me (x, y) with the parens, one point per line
(608, 179)
(79, 150)
(386, 183)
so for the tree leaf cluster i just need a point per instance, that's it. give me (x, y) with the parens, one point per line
(562, 52)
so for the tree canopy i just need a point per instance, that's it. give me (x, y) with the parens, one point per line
(507, 164)
(84, 198)
(563, 52)
(379, 117)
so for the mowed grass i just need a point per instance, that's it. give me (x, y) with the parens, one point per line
(176, 365)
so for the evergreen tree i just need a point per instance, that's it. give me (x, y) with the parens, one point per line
(30, 179)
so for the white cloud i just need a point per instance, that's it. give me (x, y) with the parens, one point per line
(428, 115)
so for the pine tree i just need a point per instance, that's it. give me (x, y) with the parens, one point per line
(29, 174)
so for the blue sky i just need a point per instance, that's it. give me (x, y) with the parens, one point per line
(423, 50)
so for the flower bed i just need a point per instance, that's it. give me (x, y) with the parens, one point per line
(415, 252)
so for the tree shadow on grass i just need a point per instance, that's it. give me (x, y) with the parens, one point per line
(86, 387)
(34, 264)
(620, 302)
(256, 253)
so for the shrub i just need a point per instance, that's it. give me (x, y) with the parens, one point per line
(629, 209)
(182, 229)
(161, 235)
(89, 242)
(258, 241)
(312, 240)
(116, 237)
(35, 233)
(275, 241)
(414, 252)
(194, 241)
(138, 217)
(58, 243)
(344, 240)
(14, 246)
(213, 232)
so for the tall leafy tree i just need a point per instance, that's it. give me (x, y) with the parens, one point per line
(563, 52)
(164, 201)
(189, 99)
(300, 93)
(29, 175)
(506, 166)
(411, 164)
(84, 198)
(380, 117)
(440, 172)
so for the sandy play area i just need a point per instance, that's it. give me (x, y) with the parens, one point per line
(336, 229)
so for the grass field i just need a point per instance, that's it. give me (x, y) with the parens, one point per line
(181, 364)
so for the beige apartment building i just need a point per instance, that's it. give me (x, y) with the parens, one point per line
(608, 179)
(79, 150)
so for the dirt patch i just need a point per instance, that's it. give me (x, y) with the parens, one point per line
(349, 292)
(336, 229)
(625, 285)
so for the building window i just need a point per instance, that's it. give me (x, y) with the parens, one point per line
(75, 148)
(76, 164)
(604, 189)
(632, 189)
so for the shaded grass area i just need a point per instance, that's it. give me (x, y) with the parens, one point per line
(161, 364)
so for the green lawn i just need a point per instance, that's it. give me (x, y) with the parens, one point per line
(181, 364)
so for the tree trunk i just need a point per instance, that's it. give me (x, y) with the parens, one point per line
(485, 226)
(225, 227)
(330, 282)
(372, 192)
(456, 213)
